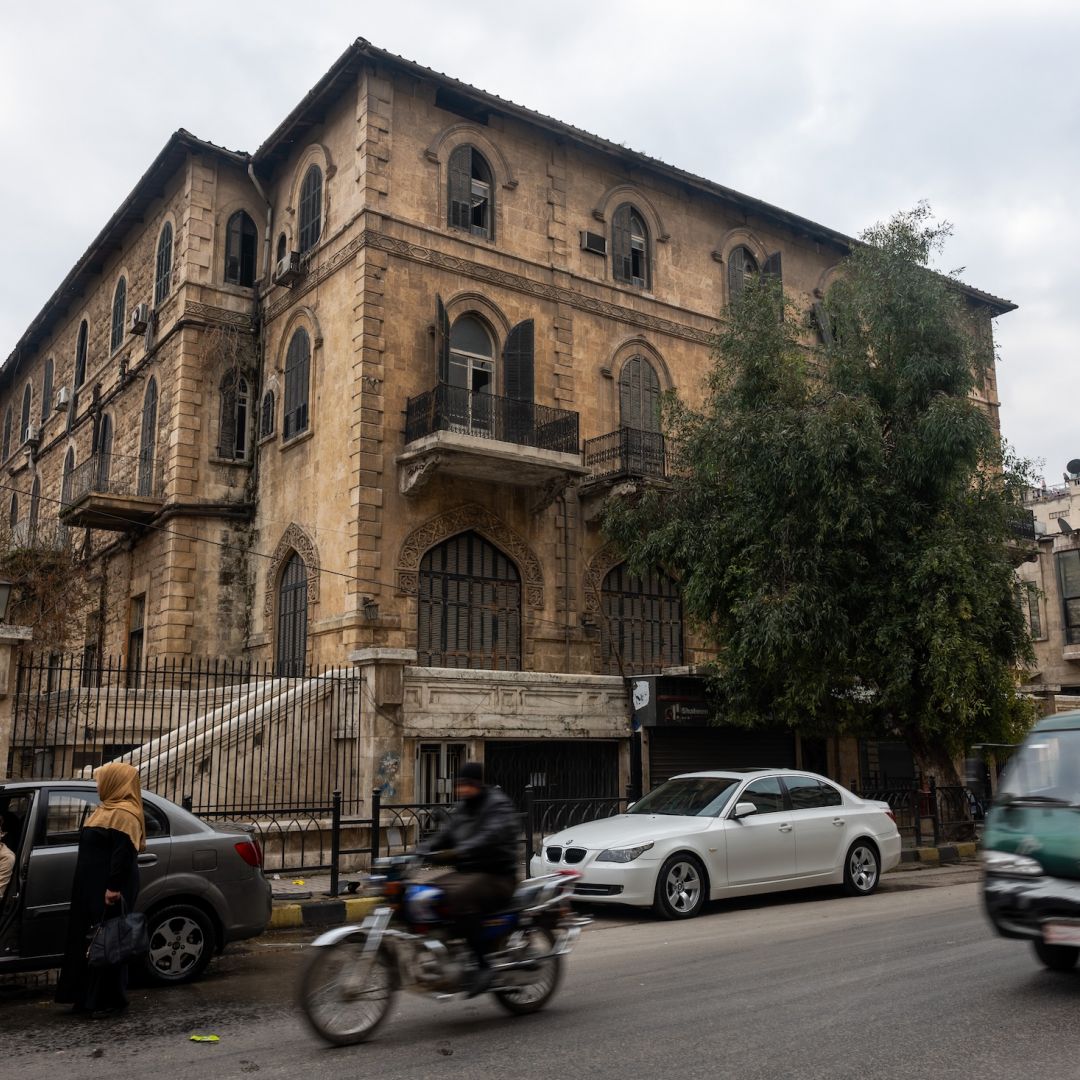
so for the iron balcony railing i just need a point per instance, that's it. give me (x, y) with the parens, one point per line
(34, 534)
(113, 474)
(485, 416)
(1022, 527)
(627, 452)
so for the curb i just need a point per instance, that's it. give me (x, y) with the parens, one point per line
(939, 856)
(287, 915)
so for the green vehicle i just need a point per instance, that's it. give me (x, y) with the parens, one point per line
(1031, 845)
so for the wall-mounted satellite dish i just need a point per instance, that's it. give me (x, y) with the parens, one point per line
(1074, 467)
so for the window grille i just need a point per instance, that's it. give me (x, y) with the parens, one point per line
(641, 623)
(292, 618)
(241, 247)
(311, 208)
(469, 610)
(163, 271)
(119, 306)
(297, 375)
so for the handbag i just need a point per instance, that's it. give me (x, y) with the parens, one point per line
(119, 939)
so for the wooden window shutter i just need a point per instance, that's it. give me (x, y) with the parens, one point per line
(442, 340)
(823, 322)
(518, 362)
(773, 267)
(460, 188)
(621, 259)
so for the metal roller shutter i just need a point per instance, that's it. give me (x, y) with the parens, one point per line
(674, 750)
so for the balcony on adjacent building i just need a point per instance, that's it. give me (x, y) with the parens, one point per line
(478, 436)
(118, 492)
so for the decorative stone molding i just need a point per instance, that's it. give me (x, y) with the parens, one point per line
(596, 569)
(414, 477)
(453, 136)
(627, 193)
(219, 316)
(293, 539)
(740, 238)
(464, 519)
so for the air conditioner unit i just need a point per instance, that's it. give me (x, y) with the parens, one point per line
(287, 271)
(594, 242)
(140, 319)
(63, 399)
(33, 435)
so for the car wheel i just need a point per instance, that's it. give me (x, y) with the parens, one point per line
(862, 869)
(680, 887)
(181, 944)
(1057, 957)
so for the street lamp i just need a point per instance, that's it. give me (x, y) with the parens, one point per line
(5, 595)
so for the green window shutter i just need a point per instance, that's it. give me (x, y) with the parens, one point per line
(460, 188)
(442, 340)
(823, 323)
(518, 362)
(621, 260)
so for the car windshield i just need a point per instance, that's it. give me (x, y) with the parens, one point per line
(688, 796)
(1045, 769)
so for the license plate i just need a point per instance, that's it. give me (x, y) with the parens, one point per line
(1061, 933)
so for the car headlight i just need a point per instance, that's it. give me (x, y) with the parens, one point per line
(1007, 862)
(623, 854)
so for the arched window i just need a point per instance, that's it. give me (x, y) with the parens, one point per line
(13, 513)
(642, 622)
(311, 208)
(80, 355)
(292, 614)
(469, 606)
(163, 270)
(266, 415)
(297, 376)
(103, 454)
(24, 423)
(639, 395)
(742, 266)
(7, 434)
(35, 507)
(630, 247)
(47, 390)
(282, 247)
(65, 483)
(148, 438)
(233, 428)
(241, 248)
(119, 305)
(470, 200)
(471, 375)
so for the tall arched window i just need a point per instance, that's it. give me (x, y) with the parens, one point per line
(119, 306)
(642, 623)
(241, 250)
(630, 247)
(24, 422)
(742, 266)
(469, 606)
(148, 438)
(35, 507)
(8, 421)
(297, 377)
(47, 390)
(13, 513)
(471, 374)
(80, 354)
(311, 208)
(639, 395)
(65, 483)
(233, 426)
(470, 201)
(291, 646)
(103, 453)
(163, 270)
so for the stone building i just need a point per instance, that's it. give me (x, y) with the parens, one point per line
(1054, 613)
(357, 399)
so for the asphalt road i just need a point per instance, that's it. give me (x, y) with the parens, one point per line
(909, 983)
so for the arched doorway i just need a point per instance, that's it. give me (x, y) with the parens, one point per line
(469, 606)
(642, 622)
(292, 605)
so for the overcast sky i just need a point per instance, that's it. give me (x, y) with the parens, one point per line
(843, 112)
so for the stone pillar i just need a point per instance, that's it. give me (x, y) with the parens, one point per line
(10, 638)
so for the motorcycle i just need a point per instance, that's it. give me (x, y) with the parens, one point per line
(355, 972)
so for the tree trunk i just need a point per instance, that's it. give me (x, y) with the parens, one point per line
(933, 759)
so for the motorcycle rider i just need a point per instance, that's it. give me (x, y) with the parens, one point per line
(479, 840)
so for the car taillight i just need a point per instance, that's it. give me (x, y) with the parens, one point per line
(891, 816)
(250, 852)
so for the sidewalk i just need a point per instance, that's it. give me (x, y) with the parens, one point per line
(304, 900)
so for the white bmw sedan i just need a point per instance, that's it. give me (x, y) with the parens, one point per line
(710, 835)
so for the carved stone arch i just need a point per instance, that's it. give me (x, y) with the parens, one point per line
(615, 196)
(827, 279)
(438, 151)
(596, 569)
(479, 520)
(639, 346)
(301, 316)
(740, 238)
(294, 538)
(473, 303)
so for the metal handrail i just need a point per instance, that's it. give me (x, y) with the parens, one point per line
(627, 452)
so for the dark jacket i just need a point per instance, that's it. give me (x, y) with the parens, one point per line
(482, 833)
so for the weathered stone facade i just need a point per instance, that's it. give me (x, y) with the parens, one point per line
(342, 486)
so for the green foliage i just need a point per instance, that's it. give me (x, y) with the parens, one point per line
(840, 517)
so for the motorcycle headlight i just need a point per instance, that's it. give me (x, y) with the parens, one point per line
(622, 855)
(1007, 862)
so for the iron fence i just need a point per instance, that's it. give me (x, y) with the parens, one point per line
(233, 737)
(486, 416)
(627, 452)
(106, 473)
(543, 816)
(931, 814)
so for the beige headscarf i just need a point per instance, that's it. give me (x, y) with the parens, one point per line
(121, 802)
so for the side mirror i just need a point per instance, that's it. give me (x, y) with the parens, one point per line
(744, 809)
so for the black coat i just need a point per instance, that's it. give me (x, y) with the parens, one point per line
(107, 860)
(482, 833)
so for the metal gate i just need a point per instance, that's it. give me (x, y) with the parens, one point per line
(677, 750)
(556, 768)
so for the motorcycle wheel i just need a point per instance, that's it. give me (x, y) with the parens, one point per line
(530, 997)
(341, 1008)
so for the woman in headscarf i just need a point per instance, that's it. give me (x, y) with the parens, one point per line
(106, 873)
